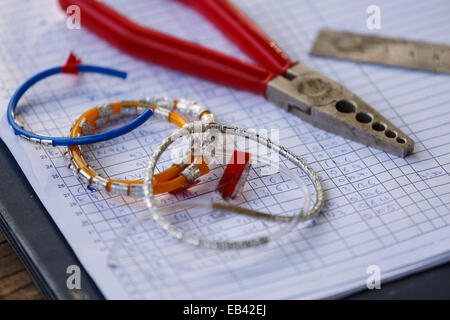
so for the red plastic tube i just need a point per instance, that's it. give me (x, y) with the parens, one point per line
(235, 175)
(157, 47)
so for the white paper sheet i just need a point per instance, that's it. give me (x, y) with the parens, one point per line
(381, 210)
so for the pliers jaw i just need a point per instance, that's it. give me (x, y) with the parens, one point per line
(328, 105)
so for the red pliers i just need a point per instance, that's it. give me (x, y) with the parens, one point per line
(291, 85)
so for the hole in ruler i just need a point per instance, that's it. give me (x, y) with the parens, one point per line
(379, 126)
(391, 134)
(364, 117)
(401, 140)
(345, 106)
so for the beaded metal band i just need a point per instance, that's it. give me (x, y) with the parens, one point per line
(183, 106)
(192, 128)
(67, 141)
(223, 206)
(175, 177)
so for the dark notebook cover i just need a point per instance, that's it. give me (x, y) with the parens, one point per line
(35, 238)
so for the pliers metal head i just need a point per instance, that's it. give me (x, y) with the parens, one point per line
(328, 105)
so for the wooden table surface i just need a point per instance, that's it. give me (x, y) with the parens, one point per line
(15, 283)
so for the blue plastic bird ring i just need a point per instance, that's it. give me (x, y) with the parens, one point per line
(67, 141)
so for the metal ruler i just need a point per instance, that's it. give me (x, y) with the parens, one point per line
(380, 50)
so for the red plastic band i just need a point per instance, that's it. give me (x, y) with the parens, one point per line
(235, 175)
(71, 65)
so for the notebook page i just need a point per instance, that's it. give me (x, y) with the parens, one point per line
(380, 210)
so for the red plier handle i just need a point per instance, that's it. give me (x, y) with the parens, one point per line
(243, 32)
(157, 47)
